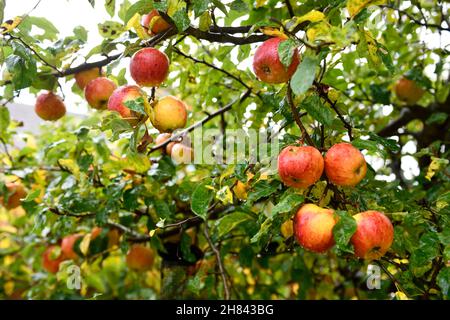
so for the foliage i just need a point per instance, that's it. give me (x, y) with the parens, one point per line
(101, 171)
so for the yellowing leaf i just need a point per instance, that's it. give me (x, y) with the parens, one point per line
(10, 25)
(274, 32)
(368, 44)
(152, 232)
(84, 245)
(355, 6)
(320, 31)
(135, 24)
(313, 16)
(435, 165)
(400, 296)
(71, 165)
(8, 287)
(225, 195)
(287, 229)
(260, 3)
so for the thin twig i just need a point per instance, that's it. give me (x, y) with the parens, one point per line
(219, 262)
(296, 116)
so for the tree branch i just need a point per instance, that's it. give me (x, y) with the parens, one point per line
(200, 123)
(296, 116)
(224, 38)
(219, 262)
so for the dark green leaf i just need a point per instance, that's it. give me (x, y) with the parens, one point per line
(181, 20)
(304, 75)
(141, 7)
(199, 7)
(262, 189)
(316, 109)
(229, 222)
(136, 105)
(343, 231)
(201, 197)
(288, 203)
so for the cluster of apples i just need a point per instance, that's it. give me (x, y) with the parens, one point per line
(138, 258)
(344, 165)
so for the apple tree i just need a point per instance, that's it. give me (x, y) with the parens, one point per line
(350, 199)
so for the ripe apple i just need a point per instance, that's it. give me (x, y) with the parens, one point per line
(313, 227)
(124, 94)
(169, 114)
(345, 165)
(407, 90)
(154, 22)
(49, 261)
(139, 258)
(163, 137)
(16, 191)
(300, 167)
(50, 107)
(113, 236)
(149, 67)
(181, 153)
(84, 77)
(374, 235)
(98, 91)
(267, 65)
(67, 244)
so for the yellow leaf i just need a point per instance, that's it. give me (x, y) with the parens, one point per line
(274, 32)
(435, 165)
(319, 31)
(260, 3)
(313, 16)
(355, 6)
(71, 165)
(135, 23)
(225, 195)
(152, 232)
(10, 25)
(8, 287)
(287, 229)
(84, 245)
(400, 296)
(368, 43)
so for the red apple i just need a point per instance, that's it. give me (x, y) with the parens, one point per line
(67, 244)
(50, 107)
(149, 67)
(163, 137)
(374, 235)
(345, 165)
(313, 227)
(98, 91)
(16, 191)
(139, 258)
(84, 77)
(300, 167)
(169, 114)
(122, 95)
(154, 22)
(407, 90)
(113, 236)
(267, 65)
(49, 261)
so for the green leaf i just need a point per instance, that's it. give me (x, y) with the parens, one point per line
(181, 20)
(421, 257)
(110, 29)
(343, 231)
(201, 197)
(2, 9)
(286, 51)
(390, 144)
(437, 118)
(81, 33)
(199, 7)
(50, 31)
(304, 75)
(205, 21)
(443, 280)
(162, 5)
(185, 246)
(365, 144)
(4, 121)
(136, 105)
(22, 65)
(315, 108)
(141, 7)
(262, 189)
(229, 222)
(32, 195)
(220, 6)
(162, 209)
(380, 93)
(110, 6)
(239, 5)
(288, 203)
